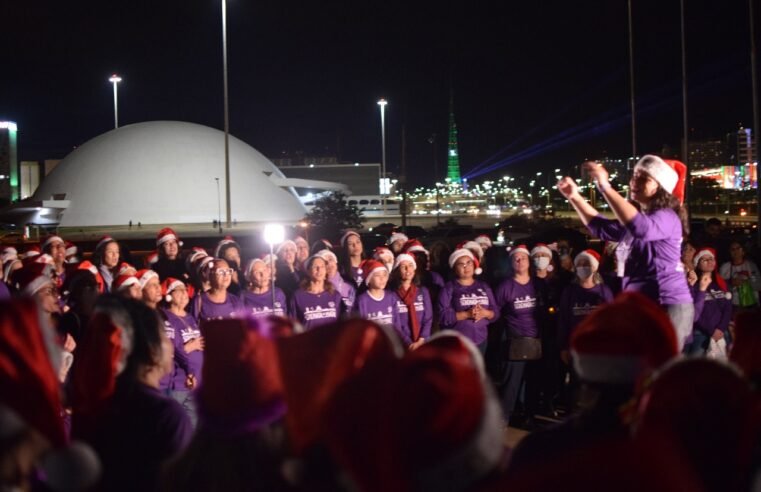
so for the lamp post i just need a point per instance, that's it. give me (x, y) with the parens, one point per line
(228, 212)
(382, 103)
(273, 234)
(219, 207)
(115, 79)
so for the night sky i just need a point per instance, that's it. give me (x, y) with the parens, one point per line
(306, 75)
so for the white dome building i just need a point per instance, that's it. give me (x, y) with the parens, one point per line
(161, 172)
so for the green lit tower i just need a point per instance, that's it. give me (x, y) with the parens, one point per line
(453, 155)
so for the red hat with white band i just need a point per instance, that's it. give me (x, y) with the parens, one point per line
(397, 236)
(591, 255)
(167, 234)
(414, 246)
(668, 173)
(370, 268)
(347, 235)
(168, 285)
(404, 257)
(541, 248)
(521, 248)
(50, 240)
(145, 275)
(123, 282)
(463, 252)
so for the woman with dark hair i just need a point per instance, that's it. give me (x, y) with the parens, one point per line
(316, 302)
(229, 250)
(287, 274)
(106, 259)
(170, 262)
(713, 308)
(80, 291)
(140, 428)
(648, 228)
(352, 252)
(414, 304)
(217, 302)
(344, 287)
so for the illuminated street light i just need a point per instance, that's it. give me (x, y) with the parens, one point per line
(273, 234)
(382, 103)
(115, 79)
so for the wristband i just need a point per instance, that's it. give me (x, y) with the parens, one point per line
(601, 187)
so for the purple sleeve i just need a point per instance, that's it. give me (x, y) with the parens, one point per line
(607, 293)
(195, 306)
(726, 315)
(657, 226)
(425, 327)
(447, 315)
(180, 356)
(699, 298)
(606, 229)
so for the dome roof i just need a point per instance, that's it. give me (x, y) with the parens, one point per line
(164, 172)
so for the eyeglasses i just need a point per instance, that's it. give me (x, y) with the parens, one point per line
(49, 291)
(221, 272)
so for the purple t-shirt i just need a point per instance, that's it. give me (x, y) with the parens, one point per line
(521, 305)
(260, 305)
(348, 291)
(455, 298)
(313, 310)
(204, 309)
(713, 309)
(576, 303)
(181, 330)
(423, 312)
(648, 254)
(383, 311)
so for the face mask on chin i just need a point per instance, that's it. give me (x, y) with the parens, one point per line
(541, 263)
(584, 272)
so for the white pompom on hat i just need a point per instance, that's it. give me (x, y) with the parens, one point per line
(459, 253)
(169, 285)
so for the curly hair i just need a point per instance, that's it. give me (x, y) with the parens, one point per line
(663, 199)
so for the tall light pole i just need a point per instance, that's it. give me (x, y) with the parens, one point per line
(115, 79)
(382, 103)
(227, 115)
(273, 234)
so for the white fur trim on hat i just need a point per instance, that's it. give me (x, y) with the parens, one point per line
(484, 241)
(541, 248)
(593, 262)
(51, 240)
(130, 281)
(701, 254)
(38, 283)
(404, 257)
(475, 248)
(146, 276)
(397, 236)
(459, 253)
(659, 171)
(519, 249)
(171, 287)
(369, 275)
(346, 236)
(168, 237)
(284, 244)
(327, 255)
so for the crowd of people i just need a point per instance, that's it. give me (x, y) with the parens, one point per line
(328, 367)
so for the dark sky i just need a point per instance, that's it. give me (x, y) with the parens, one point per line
(306, 75)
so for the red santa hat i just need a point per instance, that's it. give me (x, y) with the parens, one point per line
(370, 268)
(314, 363)
(711, 253)
(592, 256)
(624, 341)
(541, 248)
(521, 248)
(32, 251)
(484, 241)
(384, 255)
(474, 247)
(29, 279)
(168, 286)
(430, 421)
(28, 381)
(123, 282)
(242, 389)
(459, 253)
(404, 257)
(225, 242)
(397, 236)
(71, 249)
(151, 259)
(669, 174)
(145, 275)
(414, 246)
(88, 265)
(103, 242)
(346, 235)
(50, 240)
(167, 234)
(202, 263)
(124, 267)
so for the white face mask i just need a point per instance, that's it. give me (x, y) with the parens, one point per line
(541, 262)
(584, 272)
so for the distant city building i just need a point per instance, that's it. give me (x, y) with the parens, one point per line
(743, 147)
(299, 159)
(9, 183)
(453, 153)
(360, 179)
(708, 154)
(32, 173)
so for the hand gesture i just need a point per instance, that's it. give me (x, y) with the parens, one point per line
(595, 171)
(193, 345)
(568, 187)
(190, 381)
(692, 277)
(69, 344)
(705, 281)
